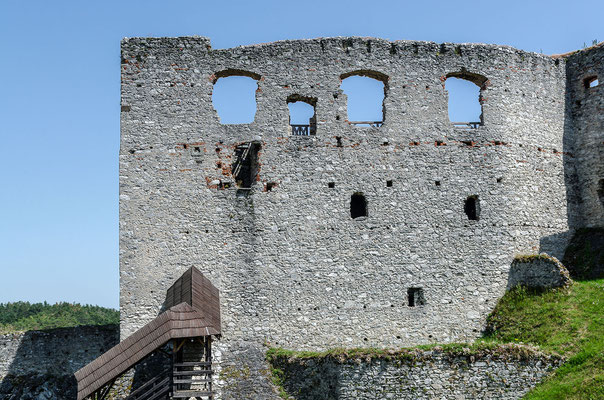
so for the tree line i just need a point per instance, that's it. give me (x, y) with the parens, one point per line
(23, 315)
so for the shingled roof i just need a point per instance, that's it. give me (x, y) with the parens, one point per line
(193, 311)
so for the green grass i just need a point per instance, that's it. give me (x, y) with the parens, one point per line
(478, 348)
(566, 321)
(23, 316)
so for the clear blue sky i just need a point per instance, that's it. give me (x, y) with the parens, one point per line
(59, 105)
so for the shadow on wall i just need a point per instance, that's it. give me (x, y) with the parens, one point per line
(584, 256)
(41, 364)
(581, 251)
(555, 245)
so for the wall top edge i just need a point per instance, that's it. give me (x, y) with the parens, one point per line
(205, 41)
(596, 47)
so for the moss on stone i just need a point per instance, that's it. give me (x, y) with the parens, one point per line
(287, 364)
(230, 372)
(477, 350)
(527, 258)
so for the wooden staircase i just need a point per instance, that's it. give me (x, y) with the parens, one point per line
(192, 378)
(185, 379)
(156, 388)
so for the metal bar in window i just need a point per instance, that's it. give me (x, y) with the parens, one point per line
(467, 125)
(372, 124)
(300, 130)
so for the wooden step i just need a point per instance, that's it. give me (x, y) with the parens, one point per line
(191, 381)
(193, 364)
(184, 394)
(191, 373)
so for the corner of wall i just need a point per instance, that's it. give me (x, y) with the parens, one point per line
(584, 127)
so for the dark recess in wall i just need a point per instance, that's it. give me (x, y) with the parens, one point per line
(472, 208)
(584, 256)
(358, 205)
(245, 167)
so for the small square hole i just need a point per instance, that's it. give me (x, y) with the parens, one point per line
(389, 183)
(331, 185)
(415, 297)
(437, 183)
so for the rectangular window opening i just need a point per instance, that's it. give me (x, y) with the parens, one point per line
(415, 297)
(245, 168)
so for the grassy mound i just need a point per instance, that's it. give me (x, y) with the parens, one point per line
(23, 316)
(566, 321)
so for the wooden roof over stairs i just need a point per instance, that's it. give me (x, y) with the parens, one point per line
(193, 310)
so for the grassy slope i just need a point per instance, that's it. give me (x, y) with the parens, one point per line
(569, 322)
(23, 316)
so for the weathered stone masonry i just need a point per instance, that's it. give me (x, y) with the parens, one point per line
(59, 351)
(417, 374)
(40, 364)
(586, 123)
(293, 268)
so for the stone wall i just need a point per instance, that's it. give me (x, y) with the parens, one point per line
(291, 264)
(584, 256)
(586, 111)
(416, 374)
(55, 351)
(539, 271)
(294, 269)
(40, 364)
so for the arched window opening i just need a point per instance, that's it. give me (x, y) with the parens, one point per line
(302, 115)
(358, 205)
(234, 96)
(366, 92)
(472, 208)
(590, 82)
(465, 99)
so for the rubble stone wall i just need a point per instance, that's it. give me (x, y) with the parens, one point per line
(40, 364)
(539, 271)
(294, 269)
(432, 374)
(585, 106)
(54, 351)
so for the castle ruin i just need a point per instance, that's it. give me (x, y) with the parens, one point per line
(339, 235)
